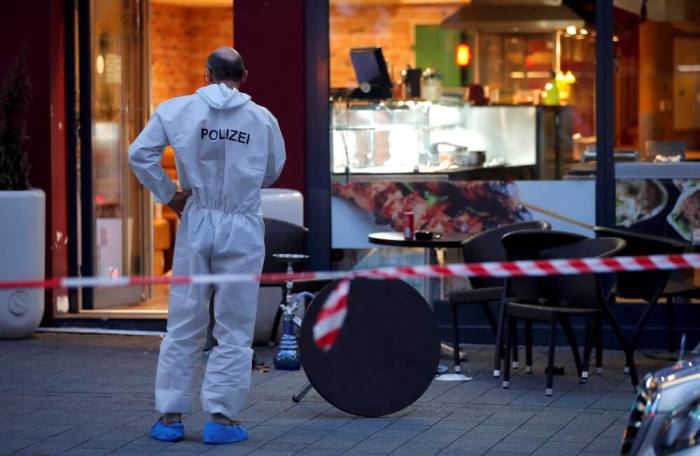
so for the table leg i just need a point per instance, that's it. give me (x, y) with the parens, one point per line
(440, 256)
(427, 282)
(444, 348)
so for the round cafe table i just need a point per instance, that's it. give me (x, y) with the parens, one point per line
(385, 356)
(394, 239)
(451, 240)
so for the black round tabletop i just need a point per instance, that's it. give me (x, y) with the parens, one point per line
(397, 239)
(385, 356)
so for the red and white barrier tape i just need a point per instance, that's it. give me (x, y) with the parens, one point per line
(330, 318)
(332, 314)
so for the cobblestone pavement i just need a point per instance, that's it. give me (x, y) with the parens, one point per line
(92, 395)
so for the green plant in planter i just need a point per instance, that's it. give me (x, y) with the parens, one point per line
(15, 98)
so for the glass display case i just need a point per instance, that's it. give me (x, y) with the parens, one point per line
(412, 137)
(399, 137)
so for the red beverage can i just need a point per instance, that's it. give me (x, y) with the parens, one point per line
(408, 225)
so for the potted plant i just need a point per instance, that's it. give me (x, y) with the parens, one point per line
(22, 210)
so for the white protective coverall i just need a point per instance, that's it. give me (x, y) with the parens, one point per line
(227, 148)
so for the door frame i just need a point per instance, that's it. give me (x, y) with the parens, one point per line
(81, 213)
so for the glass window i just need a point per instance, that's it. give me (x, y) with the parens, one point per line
(657, 117)
(481, 126)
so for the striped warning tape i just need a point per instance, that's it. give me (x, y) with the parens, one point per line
(332, 314)
(330, 319)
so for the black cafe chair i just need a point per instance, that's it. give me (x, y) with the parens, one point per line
(651, 286)
(286, 238)
(527, 245)
(484, 291)
(581, 295)
(280, 238)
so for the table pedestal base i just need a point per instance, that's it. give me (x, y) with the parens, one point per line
(452, 378)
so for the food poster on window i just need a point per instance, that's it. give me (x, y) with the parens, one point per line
(662, 207)
(361, 208)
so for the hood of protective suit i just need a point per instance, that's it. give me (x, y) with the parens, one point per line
(220, 96)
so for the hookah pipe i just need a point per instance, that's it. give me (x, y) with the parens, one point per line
(287, 357)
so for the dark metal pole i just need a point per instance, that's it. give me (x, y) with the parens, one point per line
(71, 152)
(87, 229)
(318, 166)
(605, 111)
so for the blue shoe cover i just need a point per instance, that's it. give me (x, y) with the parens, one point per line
(168, 432)
(217, 433)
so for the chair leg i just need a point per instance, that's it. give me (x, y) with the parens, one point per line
(455, 339)
(489, 316)
(570, 334)
(587, 348)
(507, 352)
(642, 322)
(275, 327)
(598, 336)
(528, 346)
(550, 357)
(514, 343)
(670, 312)
(498, 354)
(629, 353)
(278, 319)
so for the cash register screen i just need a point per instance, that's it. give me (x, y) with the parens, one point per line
(370, 68)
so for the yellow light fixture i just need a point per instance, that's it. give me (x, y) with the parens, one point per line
(571, 30)
(464, 55)
(100, 64)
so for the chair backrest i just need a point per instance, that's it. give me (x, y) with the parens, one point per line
(643, 284)
(581, 290)
(487, 246)
(528, 245)
(283, 237)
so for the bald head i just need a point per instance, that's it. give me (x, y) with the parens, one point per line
(226, 65)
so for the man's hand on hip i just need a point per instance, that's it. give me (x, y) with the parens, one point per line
(177, 204)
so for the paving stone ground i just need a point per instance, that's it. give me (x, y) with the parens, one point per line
(92, 395)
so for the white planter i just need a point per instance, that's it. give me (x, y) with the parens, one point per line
(22, 231)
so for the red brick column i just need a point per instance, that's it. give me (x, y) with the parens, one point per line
(270, 37)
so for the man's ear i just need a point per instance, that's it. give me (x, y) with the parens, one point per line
(245, 76)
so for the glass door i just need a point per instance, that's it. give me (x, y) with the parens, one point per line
(114, 209)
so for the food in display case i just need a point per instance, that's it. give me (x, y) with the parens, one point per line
(390, 137)
(443, 207)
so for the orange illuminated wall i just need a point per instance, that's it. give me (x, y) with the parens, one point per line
(390, 26)
(181, 39)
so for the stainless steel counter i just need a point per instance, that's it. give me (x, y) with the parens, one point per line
(649, 170)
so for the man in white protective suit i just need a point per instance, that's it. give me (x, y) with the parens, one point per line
(227, 148)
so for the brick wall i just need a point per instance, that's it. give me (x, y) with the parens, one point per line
(391, 27)
(181, 39)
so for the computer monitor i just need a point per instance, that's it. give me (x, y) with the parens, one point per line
(371, 73)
